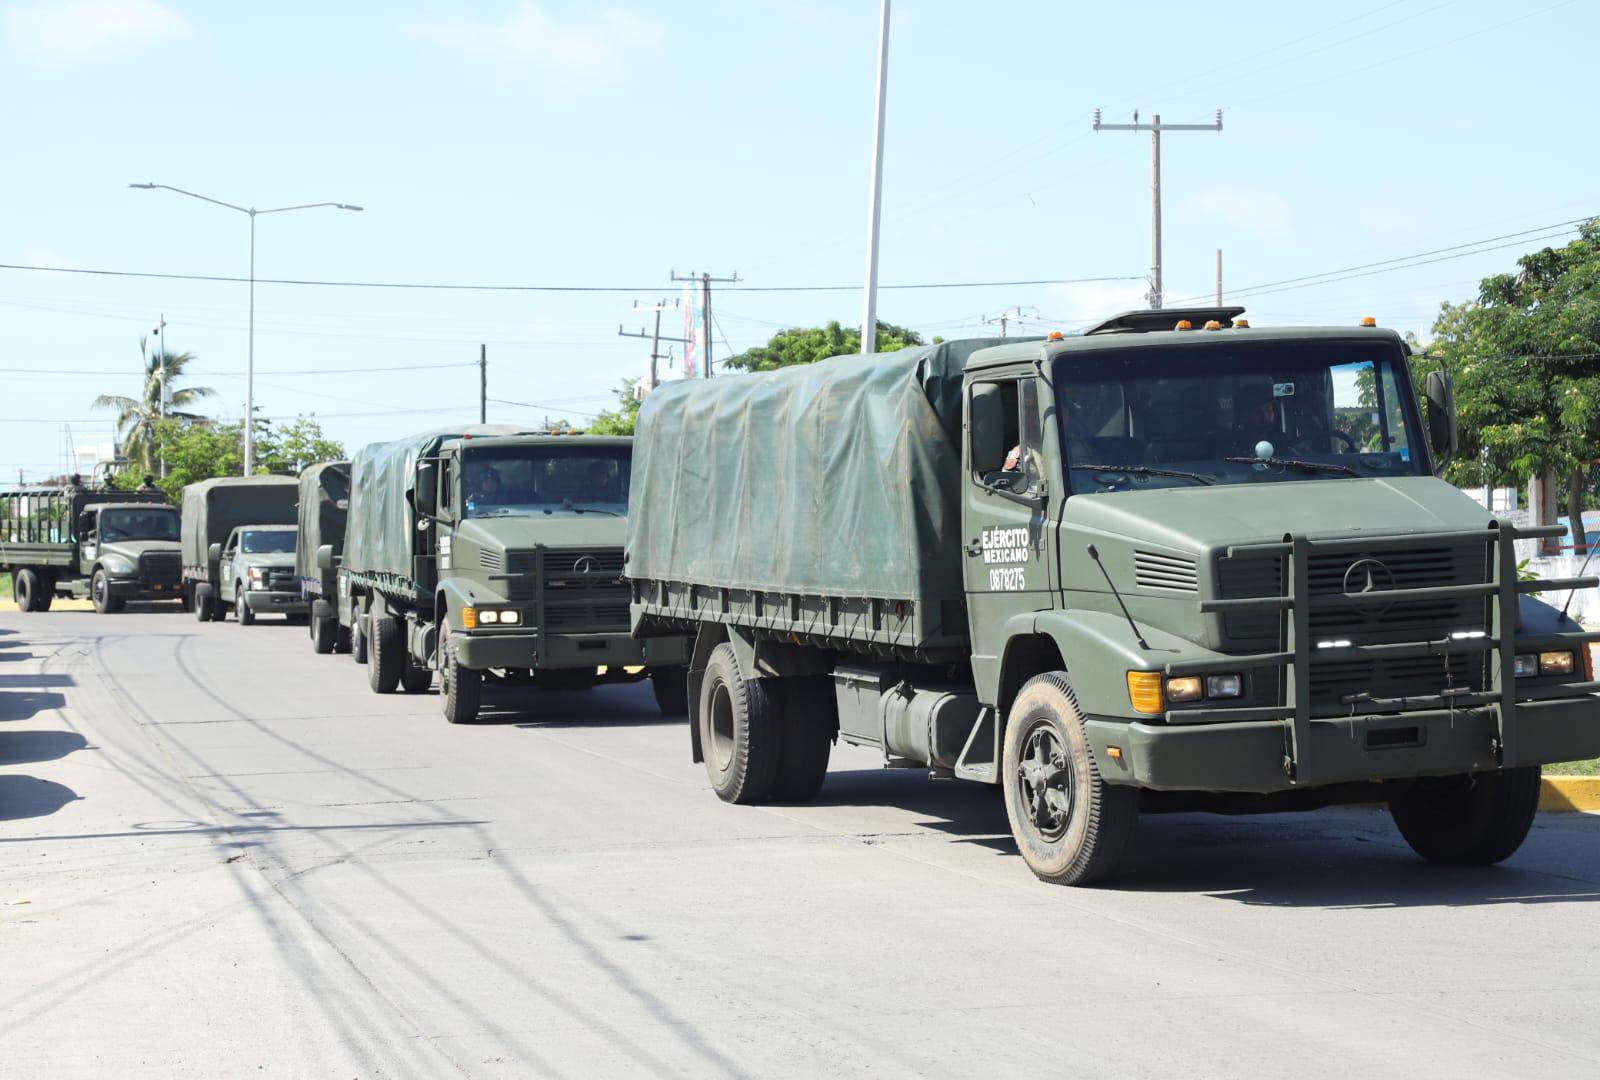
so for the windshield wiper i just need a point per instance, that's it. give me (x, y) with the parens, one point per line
(1296, 463)
(1145, 470)
(569, 505)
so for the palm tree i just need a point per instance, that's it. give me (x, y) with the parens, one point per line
(136, 417)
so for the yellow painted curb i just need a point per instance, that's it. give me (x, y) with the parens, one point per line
(1569, 793)
(58, 605)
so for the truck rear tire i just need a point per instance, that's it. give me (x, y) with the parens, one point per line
(741, 730)
(671, 688)
(809, 724)
(1468, 820)
(25, 588)
(100, 591)
(386, 657)
(323, 631)
(341, 637)
(461, 689)
(415, 679)
(1070, 826)
(241, 608)
(358, 640)
(205, 603)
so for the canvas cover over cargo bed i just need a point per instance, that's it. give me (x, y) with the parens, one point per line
(324, 504)
(213, 508)
(839, 479)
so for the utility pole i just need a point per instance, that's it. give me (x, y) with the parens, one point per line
(1156, 127)
(655, 339)
(1009, 315)
(869, 312)
(1219, 277)
(483, 384)
(161, 378)
(705, 281)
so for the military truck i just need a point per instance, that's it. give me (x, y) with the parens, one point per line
(89, 542)
(324, 506)
(493, 553)
(1173, 563)
(217, 572)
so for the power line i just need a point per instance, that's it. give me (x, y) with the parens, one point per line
(240, 374)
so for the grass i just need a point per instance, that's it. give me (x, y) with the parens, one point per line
(5, 586)
(1574, 768)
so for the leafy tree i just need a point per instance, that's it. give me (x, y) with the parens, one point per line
(197, 450)
(1525, 356)
(807, 345)
(294, 446)
(137, 416)
(621, 420)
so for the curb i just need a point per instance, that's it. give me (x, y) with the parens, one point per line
(1568, 794)
(58, 605)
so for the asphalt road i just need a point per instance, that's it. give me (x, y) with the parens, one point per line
(221, 853)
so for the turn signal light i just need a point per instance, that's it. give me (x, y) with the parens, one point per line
(1184, 324)
(469, 618)
(1144, 691)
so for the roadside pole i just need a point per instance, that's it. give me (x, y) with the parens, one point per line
(705, 280)
(483, 383)
(655, 337)
(869, 313)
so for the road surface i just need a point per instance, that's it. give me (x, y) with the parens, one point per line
(222, 854)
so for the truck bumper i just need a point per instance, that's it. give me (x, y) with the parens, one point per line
(523, 650)
(283, 603)
(1249, 756)
(134, 589)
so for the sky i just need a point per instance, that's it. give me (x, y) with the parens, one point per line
(609, 145)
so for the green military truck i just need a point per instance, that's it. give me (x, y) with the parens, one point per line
(238, 547)
(93, 543)
(490, 552)
(324, 506)
(1149, 567)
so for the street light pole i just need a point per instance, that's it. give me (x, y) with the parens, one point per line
(250, 348)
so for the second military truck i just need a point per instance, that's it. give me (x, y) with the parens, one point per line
(319, 545)
(1174, 562)
(491, 553)
(238, 547)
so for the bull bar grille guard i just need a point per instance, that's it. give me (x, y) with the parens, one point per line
(1294, 658)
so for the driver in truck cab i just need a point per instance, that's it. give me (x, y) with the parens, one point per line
(485, 487)
(1255, 417)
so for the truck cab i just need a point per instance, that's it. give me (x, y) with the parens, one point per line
(256, 573)
(127, 551)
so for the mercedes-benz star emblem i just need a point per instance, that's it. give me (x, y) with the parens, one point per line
(584, 565)
(1369, 576)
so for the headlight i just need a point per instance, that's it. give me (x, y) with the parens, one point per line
(499, 616)
(1526, 664)
(1186, 688)
(1224, 686)
(1555, 663)
(489, 617)
(510, 617)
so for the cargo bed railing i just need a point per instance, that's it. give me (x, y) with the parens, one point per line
(1297, 647)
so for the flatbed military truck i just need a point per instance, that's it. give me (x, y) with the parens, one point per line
(323, 507)
(493, 553)
(89, 542)
(1173, 563)
(235, 552)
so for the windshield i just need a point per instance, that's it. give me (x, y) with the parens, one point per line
(265, 542)
(1234, 413)
(501, 481)
(152, 524)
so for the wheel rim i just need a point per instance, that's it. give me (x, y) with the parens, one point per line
(99, 590)
(721, 726)
(1045, 781)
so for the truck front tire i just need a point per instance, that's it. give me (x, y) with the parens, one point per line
(1070, 826)
(671, 688)
(386, 657)
(1470, 820)
(324, 630)
(741, 730)
(461, 689)
(100, 590)
(241, 607)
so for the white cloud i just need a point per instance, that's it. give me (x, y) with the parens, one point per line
(68, 30)
(1256, 211)
(528, 34)
(1089, 302)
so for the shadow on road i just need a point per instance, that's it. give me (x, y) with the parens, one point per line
(37, 679)
(29, 797)
(23, 704)
(13, 654)
(28, 747)
(972, 812)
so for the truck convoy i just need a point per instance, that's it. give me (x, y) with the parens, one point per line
(238, 547)
(491, 552)
(324, 505)
(98, 543)
(1175, 562)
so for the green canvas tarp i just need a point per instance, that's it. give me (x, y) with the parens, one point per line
(214, 508)
(839, 478)
(381, 529)
(324, 504)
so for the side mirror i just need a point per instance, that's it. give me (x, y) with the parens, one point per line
(325, 557)
(214, 553)
(425, 496)
(1443, 439)
(986, 428)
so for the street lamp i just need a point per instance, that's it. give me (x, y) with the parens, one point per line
(250, 360)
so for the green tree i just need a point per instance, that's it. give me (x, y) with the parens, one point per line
(621, 420)
(295, 445)
(198, 449)
(807, 345)
(137, 416)
(1525, 356)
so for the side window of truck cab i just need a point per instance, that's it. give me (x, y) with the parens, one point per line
(1021, 469)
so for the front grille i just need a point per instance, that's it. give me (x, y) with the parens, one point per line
(281, 579)
(160, 567)
(1371, 624)
(584, 590)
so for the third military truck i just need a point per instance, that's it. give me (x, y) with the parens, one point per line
(1174, 562)
(491, 553)
(238, 548)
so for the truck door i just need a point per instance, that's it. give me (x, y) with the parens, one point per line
(1004, 517)
(224, 585)
(88, 540)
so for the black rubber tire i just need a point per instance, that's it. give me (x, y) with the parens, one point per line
(1099, 818)
(186, 597)
(741, 730)
(241, 607)
(323, 631)
(205, 602)
(25, 590)
(416, 680)
(386, 658)
(461, 689)
(100, 593)
(1468, 820)
(45, 592)
(671, 688)
(810, 722)
(358, 640)
(341, 637)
